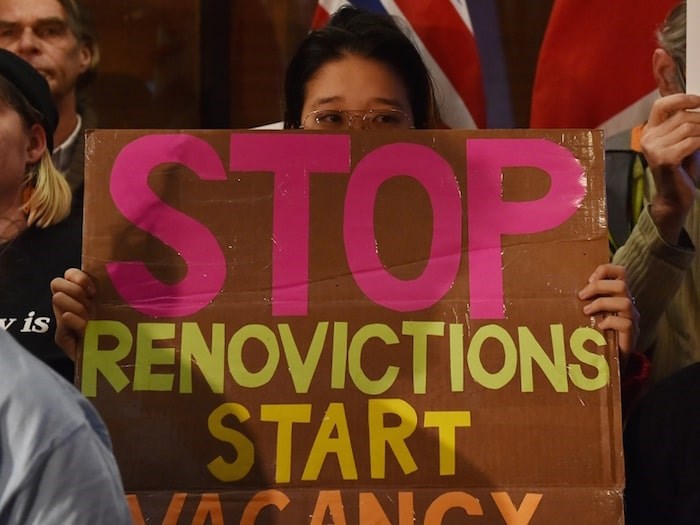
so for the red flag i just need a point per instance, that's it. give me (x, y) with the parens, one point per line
(594, 68)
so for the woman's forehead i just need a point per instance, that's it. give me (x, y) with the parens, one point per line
(356, 80)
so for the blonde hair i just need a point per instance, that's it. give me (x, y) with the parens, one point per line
(48, 196)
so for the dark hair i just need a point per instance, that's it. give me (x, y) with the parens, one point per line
(30, 95)
(80, 24)
(11, 96)
(353, 31)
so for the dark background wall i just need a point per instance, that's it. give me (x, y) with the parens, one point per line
(220, 63)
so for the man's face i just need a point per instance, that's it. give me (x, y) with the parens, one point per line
(38, 31)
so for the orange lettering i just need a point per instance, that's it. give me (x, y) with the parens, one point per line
(262, 499)
(328, 500)
(451, 500)
(209, 507)
(513, 516)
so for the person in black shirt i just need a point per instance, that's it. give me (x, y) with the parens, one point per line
(662, 453)
(38, 240)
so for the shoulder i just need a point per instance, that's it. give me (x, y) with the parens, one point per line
(65, 235)
(40, 252)
(38, 407)
(53, 446)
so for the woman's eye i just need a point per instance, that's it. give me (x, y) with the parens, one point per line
(387, 118)
(330, 117)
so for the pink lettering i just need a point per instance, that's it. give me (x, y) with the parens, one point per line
(291, 157)
(206, 265)
(436, 176)
(489, 216)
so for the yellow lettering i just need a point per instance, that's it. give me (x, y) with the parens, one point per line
(482, 376)
(302, 370)
(333, 422)
(210, 361)
(420, 330)
(104, 361)
(245, 450)
(237, 367)
(148, 356)
(577, 342)
(554, 369)
(447, 423)
(340, 355)
(457, 357)
(364, 383)
(285, 416)
(395, 437)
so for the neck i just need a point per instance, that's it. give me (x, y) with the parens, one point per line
(67, 118)
(13, 221)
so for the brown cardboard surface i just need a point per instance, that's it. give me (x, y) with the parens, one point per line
(297, 317)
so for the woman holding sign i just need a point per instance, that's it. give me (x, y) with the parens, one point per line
(37, 240)
(361, 72)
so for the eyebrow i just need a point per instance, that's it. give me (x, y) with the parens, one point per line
(51, 20)
(388, 101)
(325, 100)
(40, 22)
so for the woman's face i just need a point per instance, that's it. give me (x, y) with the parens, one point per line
(356, 84)
(18, 148)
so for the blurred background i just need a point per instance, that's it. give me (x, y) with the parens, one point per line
(220, 63)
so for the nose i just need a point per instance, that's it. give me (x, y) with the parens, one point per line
(356, 121)
(26, 43)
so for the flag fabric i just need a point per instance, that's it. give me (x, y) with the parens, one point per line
(442, 32)
(595, 64)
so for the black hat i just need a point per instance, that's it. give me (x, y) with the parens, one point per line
(35, 89)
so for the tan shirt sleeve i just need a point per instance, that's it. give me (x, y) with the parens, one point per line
(655, 269)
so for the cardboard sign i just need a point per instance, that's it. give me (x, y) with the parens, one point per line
(352, 328)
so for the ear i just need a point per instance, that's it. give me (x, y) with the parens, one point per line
(85, 54)
(37, 143)
(665, 73)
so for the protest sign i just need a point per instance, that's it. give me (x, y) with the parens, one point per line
(297, 327)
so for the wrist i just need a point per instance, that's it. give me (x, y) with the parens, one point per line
(669, 219)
